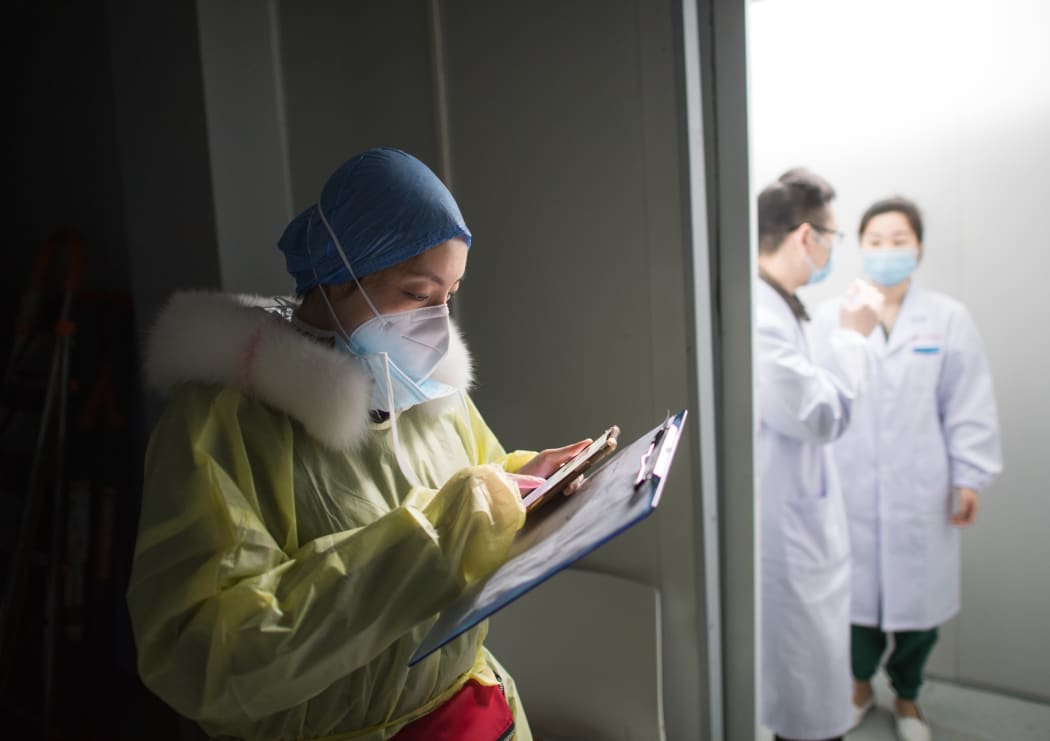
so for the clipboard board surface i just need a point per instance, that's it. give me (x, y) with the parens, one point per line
(620, 493)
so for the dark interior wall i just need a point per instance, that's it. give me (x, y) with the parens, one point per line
(162, 150)
(106, 134)
(104, 120)
(355, 76)
(60, 150)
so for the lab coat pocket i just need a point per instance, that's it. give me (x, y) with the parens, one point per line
(926, 343)
(924, 358)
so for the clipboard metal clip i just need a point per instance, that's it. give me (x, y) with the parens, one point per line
(655, 461)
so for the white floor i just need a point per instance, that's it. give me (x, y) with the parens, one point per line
(956, 713)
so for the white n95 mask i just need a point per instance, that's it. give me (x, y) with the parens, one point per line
(400, 352)
(415, 340)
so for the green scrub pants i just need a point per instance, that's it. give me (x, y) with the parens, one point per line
(905, 665)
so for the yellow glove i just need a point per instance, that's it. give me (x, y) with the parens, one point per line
(476, 514)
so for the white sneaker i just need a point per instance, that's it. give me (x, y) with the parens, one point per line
(912, 729)
(859, 711)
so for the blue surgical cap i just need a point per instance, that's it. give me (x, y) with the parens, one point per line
(385, 206)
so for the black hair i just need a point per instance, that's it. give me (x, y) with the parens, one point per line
(799, 196)
(894, 205)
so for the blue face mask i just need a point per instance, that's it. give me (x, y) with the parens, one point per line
(818, 274)
(888, 266)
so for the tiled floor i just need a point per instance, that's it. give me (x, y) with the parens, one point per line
(957, 713)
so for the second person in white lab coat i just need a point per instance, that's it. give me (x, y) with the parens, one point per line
(804, 402)
(922, 444)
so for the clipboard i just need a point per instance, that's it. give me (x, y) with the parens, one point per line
(618, 495)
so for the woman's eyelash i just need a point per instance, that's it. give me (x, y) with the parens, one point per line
(423, 297)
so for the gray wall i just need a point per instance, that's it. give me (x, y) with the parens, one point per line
(244, 105)
(567, 144)
(356, 75)
(963, 133)
(162, 150)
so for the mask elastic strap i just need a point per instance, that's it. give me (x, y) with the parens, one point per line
(406, 469)
(317, 279)
(810, 262)
(331, 310)
(346, 261)
(813, 263)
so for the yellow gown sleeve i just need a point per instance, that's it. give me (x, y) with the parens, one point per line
(232, 625)
(489, 448)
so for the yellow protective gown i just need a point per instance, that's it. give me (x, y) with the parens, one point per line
(279, 586)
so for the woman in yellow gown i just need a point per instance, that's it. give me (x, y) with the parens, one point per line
(320, 485)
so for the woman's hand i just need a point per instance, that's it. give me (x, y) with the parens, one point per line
(526, 483)
(967, 513)
(548, 461)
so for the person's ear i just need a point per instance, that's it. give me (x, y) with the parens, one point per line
(339, 291)
(801, 233)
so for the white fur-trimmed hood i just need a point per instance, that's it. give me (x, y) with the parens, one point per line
(232, 340)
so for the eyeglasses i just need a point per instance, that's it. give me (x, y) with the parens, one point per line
(838, 236)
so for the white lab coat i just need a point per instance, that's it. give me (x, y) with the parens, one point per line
(805, 561)
(928, 424)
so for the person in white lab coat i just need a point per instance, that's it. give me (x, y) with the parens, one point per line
(922, 444)
(803, 403)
